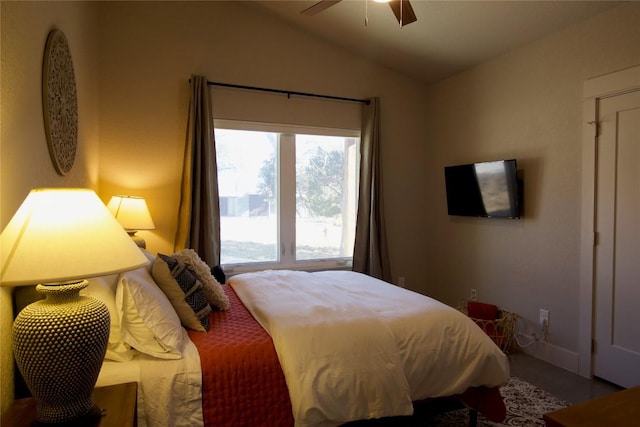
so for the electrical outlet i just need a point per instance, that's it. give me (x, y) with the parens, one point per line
(544, 318)
(401, 282)
(474, 295)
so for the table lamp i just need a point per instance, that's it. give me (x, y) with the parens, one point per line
(56, 239)
(133, 214)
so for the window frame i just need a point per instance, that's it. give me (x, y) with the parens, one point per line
(286, 233)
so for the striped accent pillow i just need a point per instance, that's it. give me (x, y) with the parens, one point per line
(183, 290)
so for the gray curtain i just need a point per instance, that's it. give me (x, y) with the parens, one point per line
(370, 253)
(199, 212)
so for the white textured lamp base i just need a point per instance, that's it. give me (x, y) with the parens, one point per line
(59, 345)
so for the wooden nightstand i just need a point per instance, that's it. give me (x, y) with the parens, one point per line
(119, 403)
(619, 409)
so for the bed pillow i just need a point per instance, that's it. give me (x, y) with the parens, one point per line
(148, 322)
(213, 291)
(183, 290)
(104, 289)
(218, 273)
(151, 257)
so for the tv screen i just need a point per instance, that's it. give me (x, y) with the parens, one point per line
(486, 189)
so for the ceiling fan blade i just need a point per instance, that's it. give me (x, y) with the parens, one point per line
(408, 16)
(319, 7)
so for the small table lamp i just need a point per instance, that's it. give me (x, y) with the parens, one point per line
(133, 214)
(56, 239)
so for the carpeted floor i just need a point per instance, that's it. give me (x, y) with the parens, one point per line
(525, 405)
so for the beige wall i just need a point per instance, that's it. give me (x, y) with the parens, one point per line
(25, 161)
(148, 52)
(524, 105)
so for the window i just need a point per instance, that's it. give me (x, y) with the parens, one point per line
(288, 195)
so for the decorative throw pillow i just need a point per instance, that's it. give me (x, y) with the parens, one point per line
(183, 290)
(218, 273)
(149, 323)
(212, 289)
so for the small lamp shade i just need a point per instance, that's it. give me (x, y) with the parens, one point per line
(57, 238)
(61, 235)
(131, 212)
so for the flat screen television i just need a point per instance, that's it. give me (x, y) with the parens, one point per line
(486, 189)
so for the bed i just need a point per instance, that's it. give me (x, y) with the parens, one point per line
(296, 349)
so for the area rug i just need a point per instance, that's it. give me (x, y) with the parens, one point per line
(525, 405)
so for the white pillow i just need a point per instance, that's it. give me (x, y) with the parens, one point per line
(104, 289)
(148, 321)
(151, 257)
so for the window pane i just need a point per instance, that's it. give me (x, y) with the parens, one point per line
(247, 184)
(326, 201)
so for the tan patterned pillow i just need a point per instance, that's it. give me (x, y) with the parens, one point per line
(183, 290)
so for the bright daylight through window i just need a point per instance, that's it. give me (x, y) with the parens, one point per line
(288, 195)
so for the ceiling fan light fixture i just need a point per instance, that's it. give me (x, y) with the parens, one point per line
(402, 9)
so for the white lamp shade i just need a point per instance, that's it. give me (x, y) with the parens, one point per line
(131, 212)
(65, 234)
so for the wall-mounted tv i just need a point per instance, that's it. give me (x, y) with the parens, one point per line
(486, 189)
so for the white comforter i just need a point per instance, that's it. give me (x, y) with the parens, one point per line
(353, 347)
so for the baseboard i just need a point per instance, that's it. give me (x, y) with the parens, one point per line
(555, 355)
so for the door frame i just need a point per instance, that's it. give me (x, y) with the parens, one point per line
(594, 89)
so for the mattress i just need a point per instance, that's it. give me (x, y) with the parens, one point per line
(242, 381)
(353, 347)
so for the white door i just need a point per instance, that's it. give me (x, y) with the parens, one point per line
(617, 263)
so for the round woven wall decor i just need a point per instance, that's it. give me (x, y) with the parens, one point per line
(59, 102)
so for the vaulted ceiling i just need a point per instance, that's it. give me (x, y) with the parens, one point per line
(448, 36)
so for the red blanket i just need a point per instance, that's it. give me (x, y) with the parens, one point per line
(242, 382)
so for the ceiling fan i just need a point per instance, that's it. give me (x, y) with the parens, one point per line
(401, 9)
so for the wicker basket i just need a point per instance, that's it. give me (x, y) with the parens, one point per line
(501, 330)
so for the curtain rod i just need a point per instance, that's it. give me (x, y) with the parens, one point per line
(287, 92)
